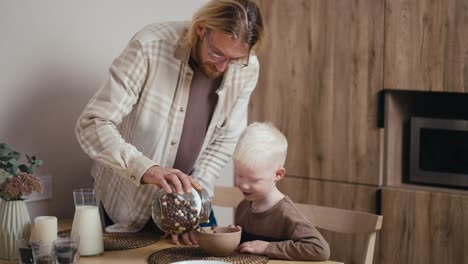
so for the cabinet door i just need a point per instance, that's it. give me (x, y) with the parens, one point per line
(426, 45)
(320, 72)
(423, 227)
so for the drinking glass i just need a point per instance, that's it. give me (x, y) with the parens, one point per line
(87, 223)
(42, 252)
(65, 250)
(25, 252)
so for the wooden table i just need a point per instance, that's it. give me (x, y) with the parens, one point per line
(140, 255)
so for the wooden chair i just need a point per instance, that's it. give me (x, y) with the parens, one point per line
(327, 218)
(347, 222)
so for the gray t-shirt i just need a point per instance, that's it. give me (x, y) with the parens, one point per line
(201, 104)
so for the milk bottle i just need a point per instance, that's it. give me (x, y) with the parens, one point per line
(87, 223)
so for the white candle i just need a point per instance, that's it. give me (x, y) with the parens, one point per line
(45, 228)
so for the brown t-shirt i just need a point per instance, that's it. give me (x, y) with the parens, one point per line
(201, 103)
(290, 234)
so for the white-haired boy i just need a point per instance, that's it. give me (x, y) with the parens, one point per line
(271, 224)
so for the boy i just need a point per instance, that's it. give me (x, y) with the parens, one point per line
(271, 224)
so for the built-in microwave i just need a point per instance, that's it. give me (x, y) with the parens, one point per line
(439, 152)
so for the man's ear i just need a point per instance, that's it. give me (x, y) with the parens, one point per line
(280, 174)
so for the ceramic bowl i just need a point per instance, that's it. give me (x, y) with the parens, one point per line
(220, 242)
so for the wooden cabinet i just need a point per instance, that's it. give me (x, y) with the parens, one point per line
(322, 66)
(423, 227)
(426, 45)
(321, 70)
(351, 196)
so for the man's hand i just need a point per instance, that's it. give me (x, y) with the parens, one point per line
(164, 176)
(236, 226)
(257, 247)
(189, 238)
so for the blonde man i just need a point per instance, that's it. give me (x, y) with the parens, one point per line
(271, 224)
(172, 110)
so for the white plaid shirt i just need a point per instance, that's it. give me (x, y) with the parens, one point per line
(135, 121)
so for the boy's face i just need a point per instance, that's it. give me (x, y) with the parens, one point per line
(255, 182)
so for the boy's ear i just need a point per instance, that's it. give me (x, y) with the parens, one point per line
(199, 28)
(280, 174)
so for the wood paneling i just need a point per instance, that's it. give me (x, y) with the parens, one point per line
(332, 194)
(393, 141)
(321, 69)
(344, 248)
(426, 45)
(424, 227)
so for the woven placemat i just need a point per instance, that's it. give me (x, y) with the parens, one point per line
(122, 241)
(173, 254)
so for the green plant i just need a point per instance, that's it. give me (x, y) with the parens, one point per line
(16, 179)
(9, 161)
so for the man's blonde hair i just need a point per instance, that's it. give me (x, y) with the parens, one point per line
(261, 143)
(237, 18)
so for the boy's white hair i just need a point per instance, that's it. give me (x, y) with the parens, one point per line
(261, 143)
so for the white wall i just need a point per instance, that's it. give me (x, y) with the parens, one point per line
(54, 55)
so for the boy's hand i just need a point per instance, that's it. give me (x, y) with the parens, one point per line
(257, 247)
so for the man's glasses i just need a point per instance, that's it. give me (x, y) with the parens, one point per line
(234, 63)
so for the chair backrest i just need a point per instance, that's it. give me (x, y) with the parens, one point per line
(327, 218)
(345, 221)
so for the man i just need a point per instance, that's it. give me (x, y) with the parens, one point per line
(172, 109)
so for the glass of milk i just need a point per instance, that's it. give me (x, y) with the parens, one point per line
(87, 223)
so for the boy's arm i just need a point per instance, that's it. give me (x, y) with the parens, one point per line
(306, 243)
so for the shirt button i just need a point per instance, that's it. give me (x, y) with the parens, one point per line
(181, 109)
(133, 177)
(173, 142)
(188, 75)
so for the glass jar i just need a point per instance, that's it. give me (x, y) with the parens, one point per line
(180, 213)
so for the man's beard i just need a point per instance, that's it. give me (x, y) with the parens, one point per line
(206, 67)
